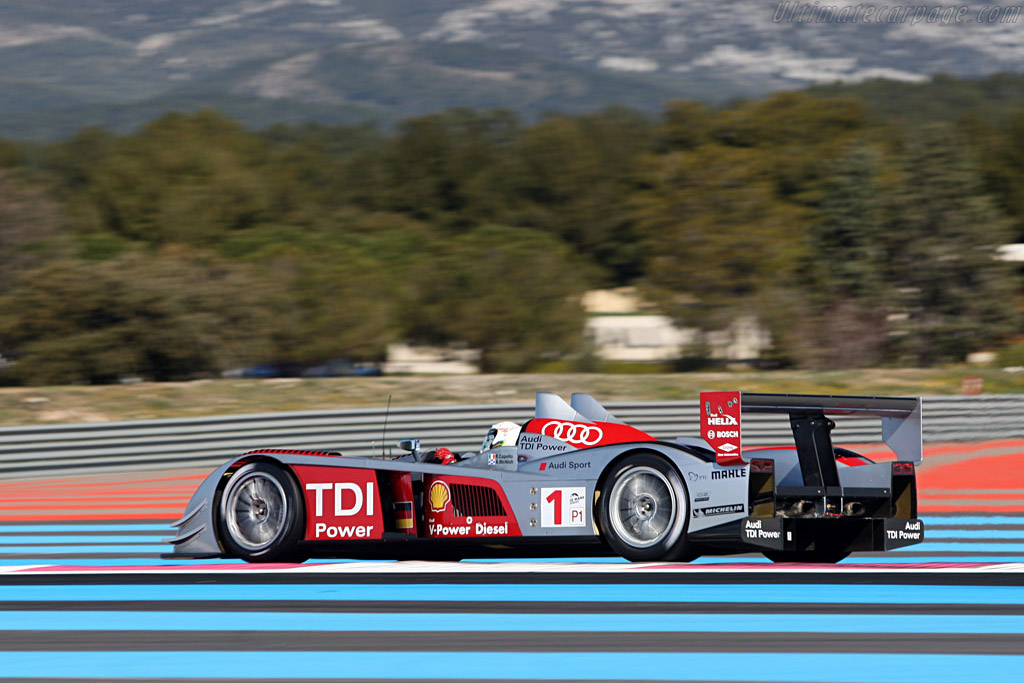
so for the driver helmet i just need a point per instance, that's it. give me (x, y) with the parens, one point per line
(501, 434)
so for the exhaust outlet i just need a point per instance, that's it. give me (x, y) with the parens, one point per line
(854, 509)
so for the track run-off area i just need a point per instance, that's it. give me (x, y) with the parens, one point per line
(84, 595)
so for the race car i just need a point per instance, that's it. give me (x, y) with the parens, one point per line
(576, 481)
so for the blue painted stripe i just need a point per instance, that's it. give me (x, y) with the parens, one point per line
(1014, 553)
(100, 563)
(154, 561)
(951, 546)
(132, 545)
(138, 548)
(798, 668)
(975, 519)
(151, 560)
(965, 520)
(76, 528)
(80, 539)
(882, 559)
(471, 622)
(610, 592)
(549, 560)
(973, 533)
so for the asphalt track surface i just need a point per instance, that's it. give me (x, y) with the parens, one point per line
(84, 596)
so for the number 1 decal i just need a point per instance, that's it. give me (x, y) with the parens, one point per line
(555, 498)
(563, 506)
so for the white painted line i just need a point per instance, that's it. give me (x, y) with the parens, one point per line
(468, 568)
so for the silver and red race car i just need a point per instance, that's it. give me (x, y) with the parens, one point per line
(578, 482)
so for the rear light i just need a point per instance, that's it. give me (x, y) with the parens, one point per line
(903, 468)
(763, 466)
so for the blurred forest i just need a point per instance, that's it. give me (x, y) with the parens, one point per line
(858, 235)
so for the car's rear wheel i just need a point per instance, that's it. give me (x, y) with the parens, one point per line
(643, 509)
(261, 514)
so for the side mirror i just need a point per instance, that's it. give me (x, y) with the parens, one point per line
(409, 445)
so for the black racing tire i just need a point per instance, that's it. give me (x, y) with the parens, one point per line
(261, 515)
(807, 556)
(643, 510)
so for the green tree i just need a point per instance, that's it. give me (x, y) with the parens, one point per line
(951, 292)
(1002, 152)
(172, 316)
(340, 301)
(685, 125)
(803, 133)
(511, 292)
(437, 168)
(29, 226)
(842, 320)
(572, 177)
(719, 243)
(182, 179)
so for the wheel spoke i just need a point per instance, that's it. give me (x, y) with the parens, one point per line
(657, 529)
(255, 511)
(643, 506)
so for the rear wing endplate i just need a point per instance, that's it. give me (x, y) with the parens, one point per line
(720, 419)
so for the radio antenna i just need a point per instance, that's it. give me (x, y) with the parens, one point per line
(384, 433)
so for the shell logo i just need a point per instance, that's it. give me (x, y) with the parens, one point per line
(439, 495)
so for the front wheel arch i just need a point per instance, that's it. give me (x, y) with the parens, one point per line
(241, 533)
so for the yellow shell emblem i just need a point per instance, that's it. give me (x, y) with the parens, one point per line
(438, 496)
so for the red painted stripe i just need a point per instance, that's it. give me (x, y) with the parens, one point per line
(995, 509)
(84, 495)
(972, 447)
(155, 515)
(75, 491)
(969, 496)
(89, 480)
(50, 491)
(101, 499)
(60, 506)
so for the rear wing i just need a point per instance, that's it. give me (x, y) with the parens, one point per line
(720, 421)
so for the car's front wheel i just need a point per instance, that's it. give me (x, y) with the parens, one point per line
(643, 509)
(261, 516)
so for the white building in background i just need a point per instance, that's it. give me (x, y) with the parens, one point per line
(1011, 252)
(623, 327)
(405, 359)
(744, 340)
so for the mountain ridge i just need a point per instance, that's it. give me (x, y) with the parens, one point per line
(108, 62)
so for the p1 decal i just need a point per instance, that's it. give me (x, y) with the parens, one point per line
(341, 503)
(720, 425)
(563, 506)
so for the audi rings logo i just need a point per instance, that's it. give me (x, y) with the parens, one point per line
(570, 432)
